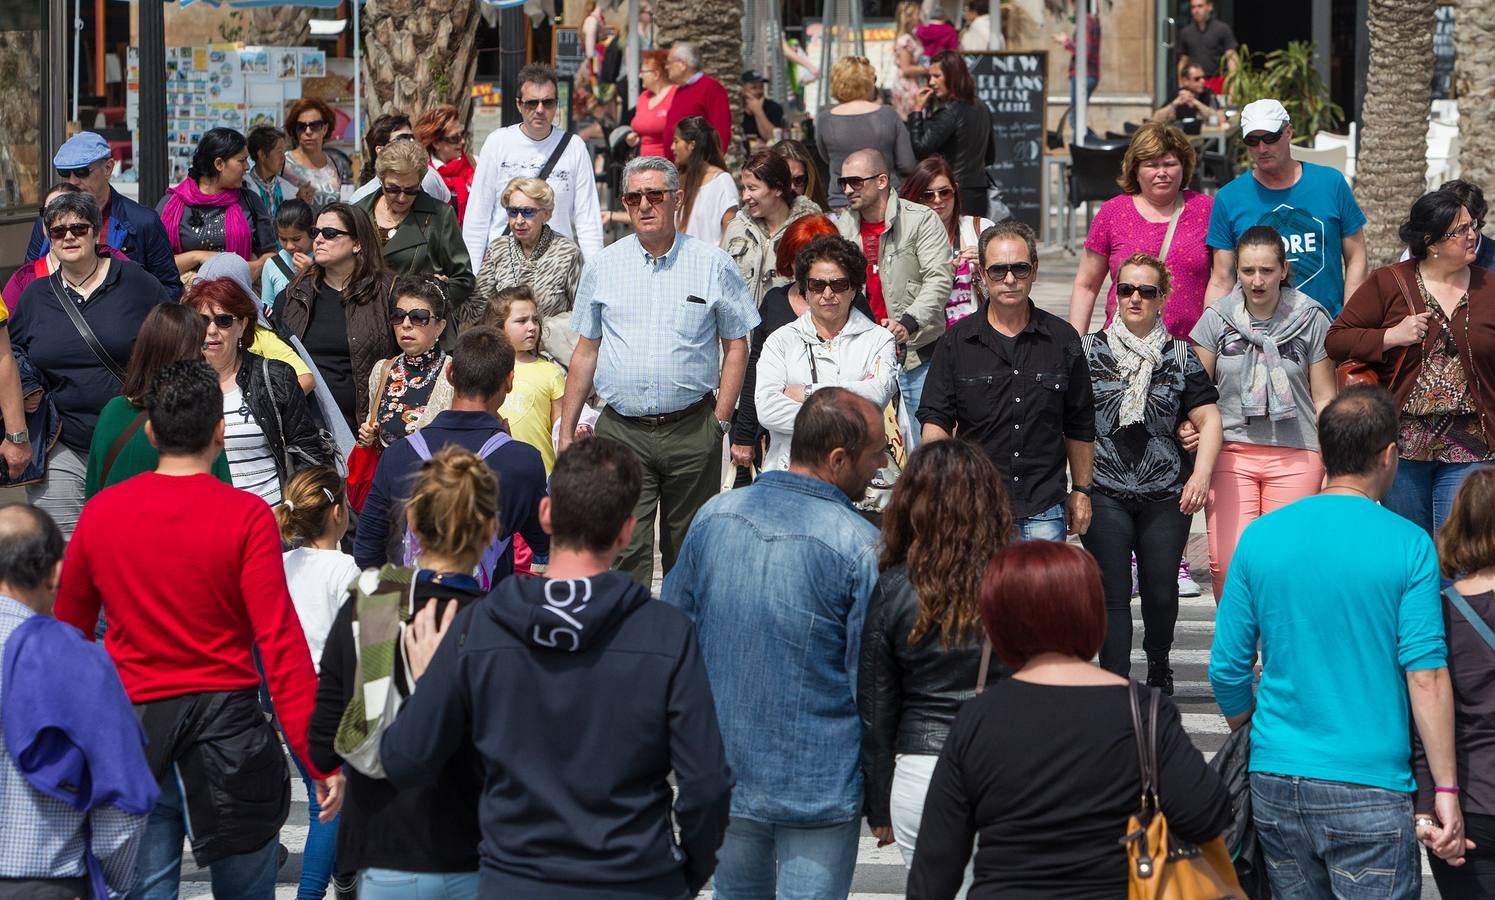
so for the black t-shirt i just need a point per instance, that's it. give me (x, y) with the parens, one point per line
(327, 341)
(1206, 47)
(771, 110)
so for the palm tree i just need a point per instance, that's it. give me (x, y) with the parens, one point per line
(280, 26)
(1474, 84)
(1398, 95)
(715, 28)
(417, 54)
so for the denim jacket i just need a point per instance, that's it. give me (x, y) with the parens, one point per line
(777, 577)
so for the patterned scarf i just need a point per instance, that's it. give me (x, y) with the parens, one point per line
(1265, 389)
(1136, 358)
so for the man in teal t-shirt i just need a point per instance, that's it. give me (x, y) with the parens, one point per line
(1310, 205)
(1342, 596)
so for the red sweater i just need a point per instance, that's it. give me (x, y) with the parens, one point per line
(703, 97)
(189, 573)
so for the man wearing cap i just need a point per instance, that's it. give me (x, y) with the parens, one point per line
(1309, 205)
(760, 114)
(698, 94)
(132, 229)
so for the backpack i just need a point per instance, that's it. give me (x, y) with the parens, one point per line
(495, 550)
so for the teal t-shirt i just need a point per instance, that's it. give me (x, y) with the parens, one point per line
(1313, 216)
(1343, 595)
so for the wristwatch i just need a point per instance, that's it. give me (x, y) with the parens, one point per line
(725, 426)
(18, 437)
(1080, 489)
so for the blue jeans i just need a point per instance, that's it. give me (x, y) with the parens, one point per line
(911, 390)
(320, 853)
(389, 884)
(1423, 491)
(765, 861)
(1330, 839)
(248, 876)
(1045, 525)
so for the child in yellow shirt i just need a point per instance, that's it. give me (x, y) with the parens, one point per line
(534, 404)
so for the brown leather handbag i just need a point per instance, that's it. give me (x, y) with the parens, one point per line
(1357, 371)
(1159, 865)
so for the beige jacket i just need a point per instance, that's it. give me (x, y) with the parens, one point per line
(753, 249)
(917, 268)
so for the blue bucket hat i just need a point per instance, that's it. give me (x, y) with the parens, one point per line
(82, 149)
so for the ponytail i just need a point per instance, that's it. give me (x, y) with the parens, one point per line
(308, 498)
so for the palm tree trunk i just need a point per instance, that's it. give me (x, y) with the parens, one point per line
(1393, 143)
(1474, 84)
(282, 26)
(715, 28)
(418, 54)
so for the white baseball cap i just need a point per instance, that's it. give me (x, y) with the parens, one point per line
(1263, 115)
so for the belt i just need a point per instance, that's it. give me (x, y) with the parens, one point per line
(666, 418)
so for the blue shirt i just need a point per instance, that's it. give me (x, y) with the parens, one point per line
(777, 577)
(1343, 595)
(661, 320)
(1313, 217)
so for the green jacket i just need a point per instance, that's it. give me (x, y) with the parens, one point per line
(429, 242)
(136, 456)
(917, 268)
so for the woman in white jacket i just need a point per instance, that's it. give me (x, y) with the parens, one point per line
(830, 345)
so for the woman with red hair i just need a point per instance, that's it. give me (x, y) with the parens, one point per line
(1044, 764)
(932, 183)
(440, 131)
(309, 126)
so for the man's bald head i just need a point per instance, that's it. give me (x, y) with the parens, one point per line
(31, 547)
(864, 163)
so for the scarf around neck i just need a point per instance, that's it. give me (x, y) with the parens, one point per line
(237, 238)
(1136, 359)
(1265, 389)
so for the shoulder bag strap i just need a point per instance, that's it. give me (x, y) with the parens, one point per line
(985, 666)
(280, 428)
(119, 442)
(419, 445)
(1152, 743)
(1178, 211)
(491, 445)
(84, 331)
(1481, 627)
(283, 266)
(555, 155)
(1413, 297)
(383, 388)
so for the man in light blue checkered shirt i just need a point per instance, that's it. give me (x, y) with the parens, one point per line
(663, 320)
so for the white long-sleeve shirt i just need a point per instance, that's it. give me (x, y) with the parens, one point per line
(508, 154)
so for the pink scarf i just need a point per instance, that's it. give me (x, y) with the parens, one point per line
(236, 234)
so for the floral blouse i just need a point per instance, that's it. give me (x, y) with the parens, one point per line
(412, 379)
(1439, 421)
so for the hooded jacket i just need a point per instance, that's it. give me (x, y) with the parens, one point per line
(754, 250)
(581, 698)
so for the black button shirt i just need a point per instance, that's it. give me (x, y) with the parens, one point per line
(1019, 398)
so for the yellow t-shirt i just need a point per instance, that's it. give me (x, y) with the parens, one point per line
(269, 345)
(527, 408)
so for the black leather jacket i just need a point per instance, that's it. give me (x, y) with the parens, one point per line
(907, 694)
(961, 133)
(296, 426)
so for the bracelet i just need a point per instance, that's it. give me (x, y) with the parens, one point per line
(1439, 789)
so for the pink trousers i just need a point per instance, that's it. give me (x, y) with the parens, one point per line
(1251, 480)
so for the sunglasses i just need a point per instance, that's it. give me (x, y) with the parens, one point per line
(532, 105)
(1145, 291)
(77, 229)
(315, 125)
(224, 321)
(1270, 138)
(416, 316)
(406, 136)
(998, 271)
(938, 193)
(854, 182)
(330, 233)
(799, 181)
(634, 198)
(817, 286)
(521, 212)
(80, 172)
(457, 138)
(402, 191)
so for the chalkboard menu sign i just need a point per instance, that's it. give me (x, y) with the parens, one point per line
(566, 51)
(1013, 86)
(1443, 54)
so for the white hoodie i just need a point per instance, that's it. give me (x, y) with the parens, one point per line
(508, 154)
(861, 359)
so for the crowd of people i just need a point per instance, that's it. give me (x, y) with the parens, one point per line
(407, 465)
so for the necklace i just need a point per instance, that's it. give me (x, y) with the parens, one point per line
(1346, 487)
(78, 286)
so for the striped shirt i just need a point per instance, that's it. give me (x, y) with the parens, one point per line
(250, 461)
(661, 320)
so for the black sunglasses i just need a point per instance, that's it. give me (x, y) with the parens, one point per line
(80, 172)
(330, 233)
(402, 191)
(816, 286)
(416, 316)
(634, 198)
(457, 138)
(1271, 137)
(854, 182)
(77, 229)
(224, 321)
(1145, 291)
(314, 125)
(799, 181)
(532, 105)
(407, 136)
(998, 271)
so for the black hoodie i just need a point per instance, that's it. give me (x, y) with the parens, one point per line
(582, 697)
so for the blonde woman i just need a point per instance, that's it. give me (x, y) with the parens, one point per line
(859, 120)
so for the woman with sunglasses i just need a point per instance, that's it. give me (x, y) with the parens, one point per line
(113, 296)
(831, 345)
(710, 192)
(804, 171)
(947, 121)
(409, 386)
(417, 234)
(47, 263)
(769, 205)
(440, 131)
(339, 307)
(1426, 327)
(1146, 490)
(212, 212)
(859, 120)
(932, 183)
(308, 126)
(269, 432)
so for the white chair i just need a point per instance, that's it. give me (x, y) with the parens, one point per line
(1443, 153)
(1328, 140)
(1336, 158)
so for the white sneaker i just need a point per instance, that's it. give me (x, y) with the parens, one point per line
(1187, 586)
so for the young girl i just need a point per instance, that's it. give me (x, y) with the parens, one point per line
(313, 518)
(534, 405)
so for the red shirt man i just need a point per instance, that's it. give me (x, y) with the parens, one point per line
(698, 94)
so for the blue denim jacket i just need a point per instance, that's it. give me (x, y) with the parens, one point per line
(776, 577)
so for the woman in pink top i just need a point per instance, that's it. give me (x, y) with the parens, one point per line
(1157, 165)
(653, 106)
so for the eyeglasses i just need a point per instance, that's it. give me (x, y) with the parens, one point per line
(329, 233)
(457, 138)
(938, 193)
(816, 286)
(314, 125)
(76, 229)
(406, 136)
(1145, 291)
(998, 271)
(416, 316)
(1462, 231)
(854, 182)
(799, 182)
(1270, 138)
(523, 212)
(224, 321)
(532, 105)
(634, 198)
(402, 191)
(80, 172)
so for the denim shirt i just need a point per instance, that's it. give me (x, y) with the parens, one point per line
(777, 577)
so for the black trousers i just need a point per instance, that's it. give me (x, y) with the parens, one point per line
(1476, 877)
(1157, 533)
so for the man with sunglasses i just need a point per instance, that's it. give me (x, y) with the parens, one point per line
(1013, 379)
(534, 148)
(136, 231)
(698, 94)
(1310, 205)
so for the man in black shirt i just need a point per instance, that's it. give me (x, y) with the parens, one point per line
(760, 115)
(1195, 103)
(1206, 42)
(1013, 379)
